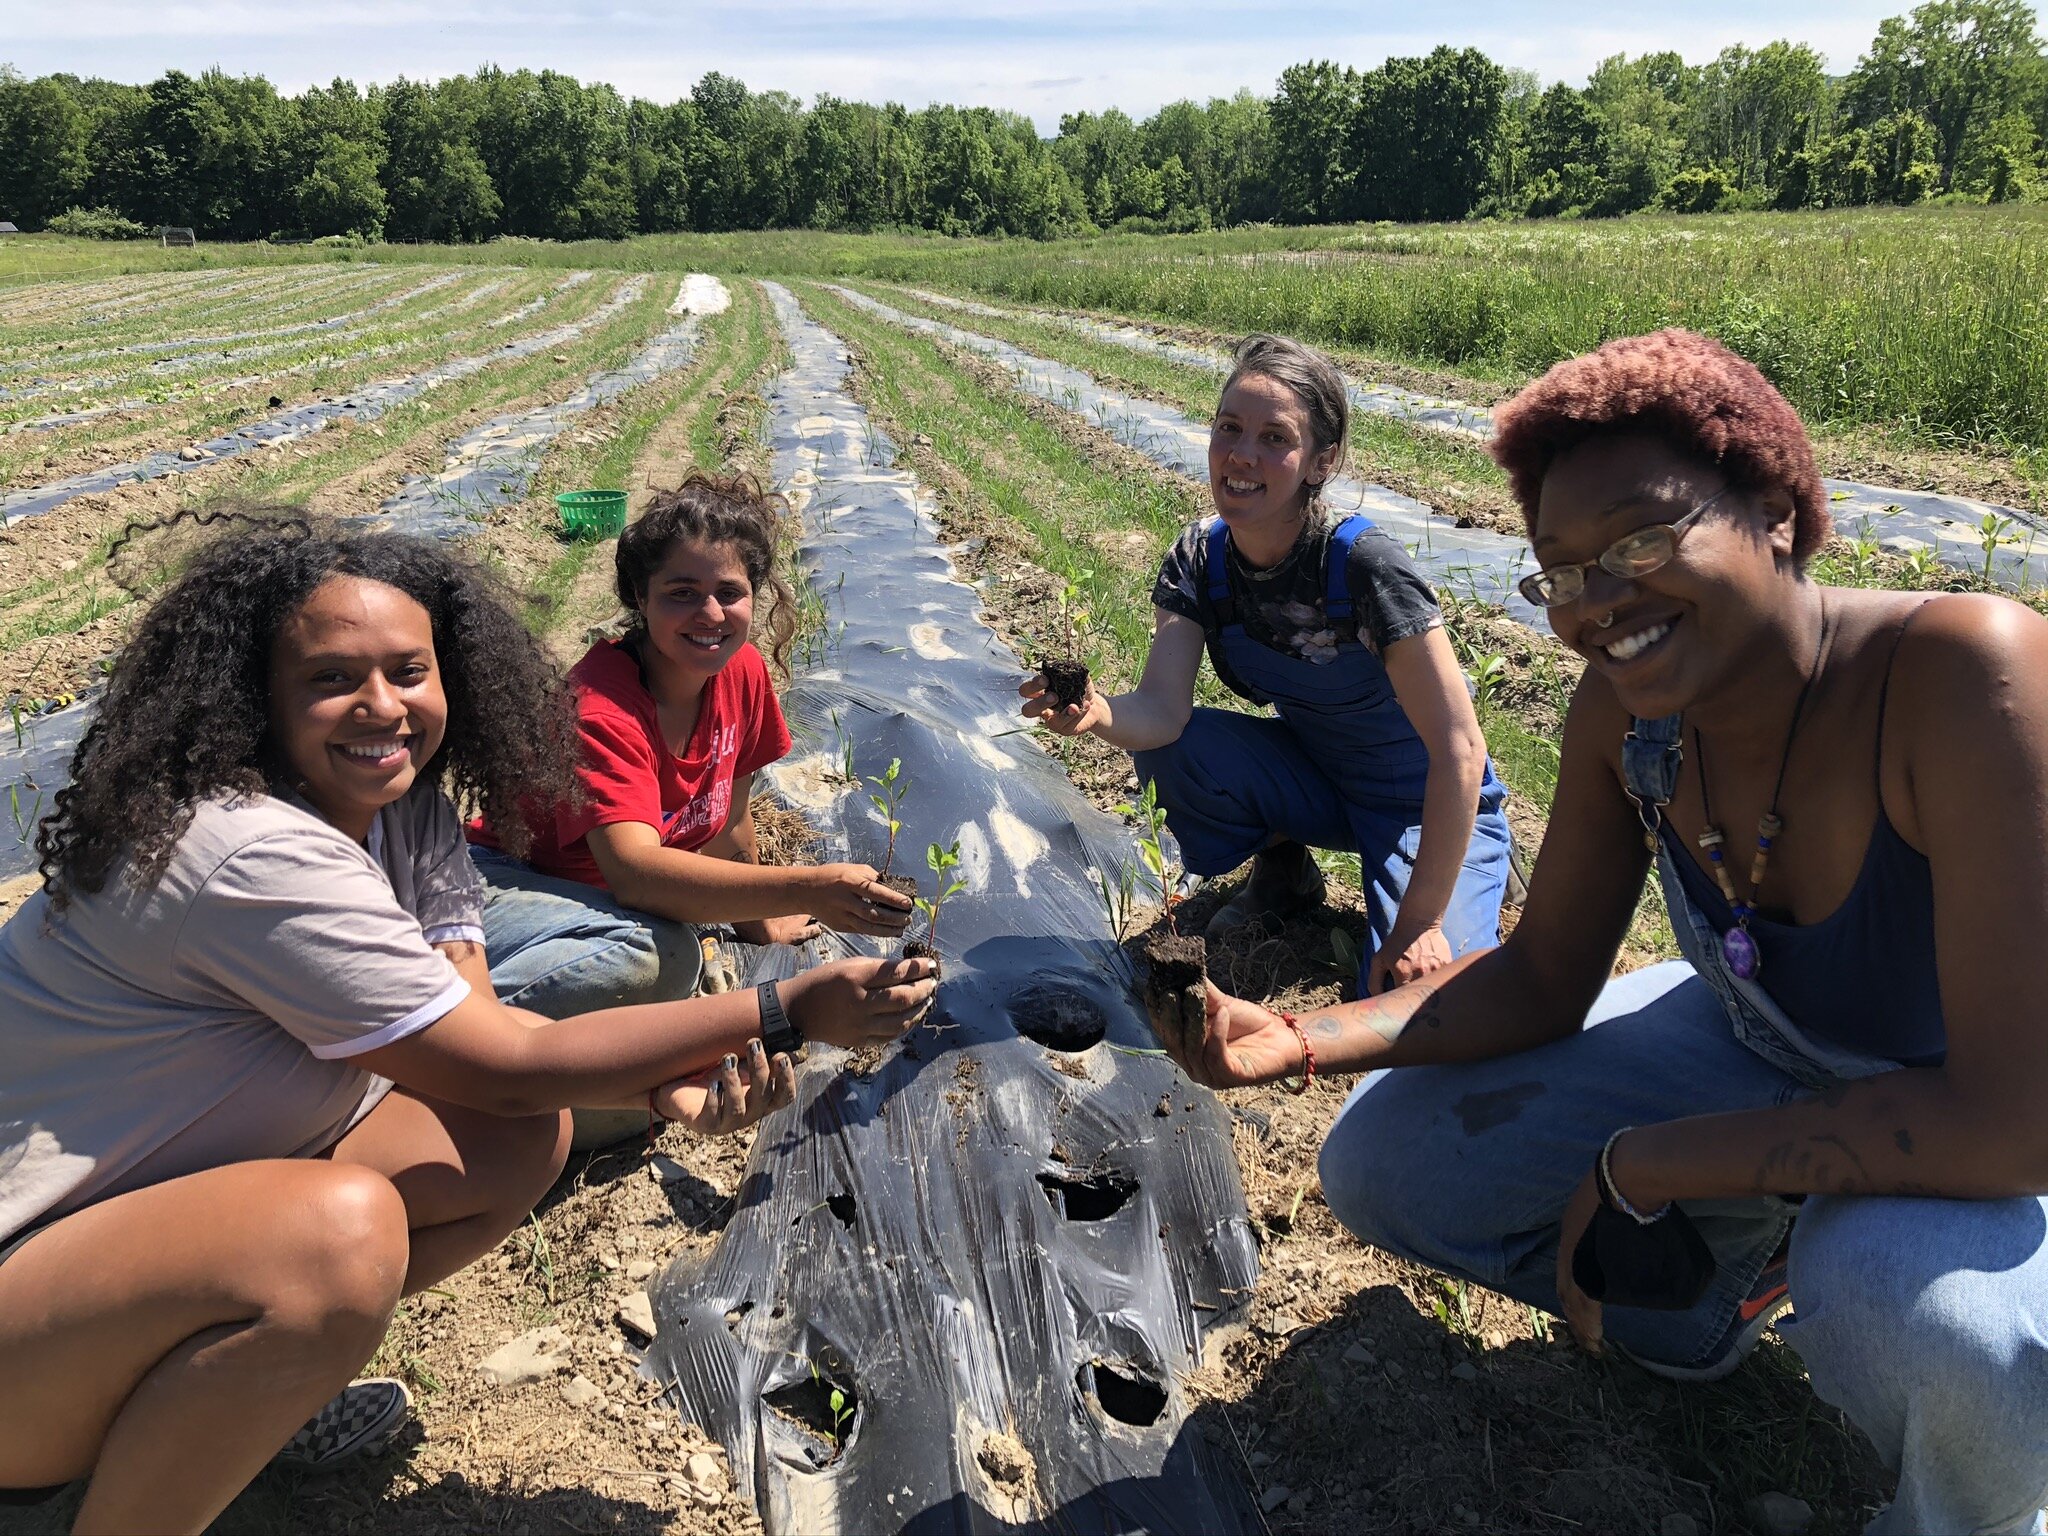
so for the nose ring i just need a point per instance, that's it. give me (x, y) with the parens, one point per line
(1607, 619)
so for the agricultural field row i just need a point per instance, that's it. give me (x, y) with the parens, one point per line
(168, 402)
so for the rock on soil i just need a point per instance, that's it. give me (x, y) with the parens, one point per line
(530, 1357)
(582, 1392)
(637, 1313)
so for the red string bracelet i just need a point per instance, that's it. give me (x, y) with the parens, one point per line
(1308, 1055)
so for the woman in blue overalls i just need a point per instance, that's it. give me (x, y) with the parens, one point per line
(1375, 749)
(1833, 1103)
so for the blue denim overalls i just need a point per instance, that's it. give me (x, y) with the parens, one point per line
(1340, 768)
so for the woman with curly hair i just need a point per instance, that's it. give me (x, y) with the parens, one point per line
(675, 719)
(254, 1082)
(1831, 1105)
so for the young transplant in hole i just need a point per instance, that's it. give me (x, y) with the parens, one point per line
(941, 861)
(1176, 964)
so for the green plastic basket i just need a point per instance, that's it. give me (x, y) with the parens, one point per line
(592, 514)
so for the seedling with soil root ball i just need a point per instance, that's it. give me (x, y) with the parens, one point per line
(890, 789)
(1176, 964)
(941, 861)
(1066, 676)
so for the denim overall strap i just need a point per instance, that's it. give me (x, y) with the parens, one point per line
(1216, 567)
(1650, 757)
(1337, 588)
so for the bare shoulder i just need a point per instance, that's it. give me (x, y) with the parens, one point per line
(1961, 652)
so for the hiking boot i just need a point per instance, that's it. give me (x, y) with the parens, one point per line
(1285, 882)
(1768, 1300)
(359, 1422)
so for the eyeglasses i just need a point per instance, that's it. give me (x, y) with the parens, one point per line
(1632, 555)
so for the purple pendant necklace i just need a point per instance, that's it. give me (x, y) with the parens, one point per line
(1738, 944)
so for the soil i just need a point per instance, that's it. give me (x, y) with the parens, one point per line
(902, 885)
(918, 949)
(1066, 682)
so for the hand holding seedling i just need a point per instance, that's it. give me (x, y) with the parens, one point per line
(1228, 1042)
(1074, 720)
(858, 1002)
(730, 1096)
(851, 899)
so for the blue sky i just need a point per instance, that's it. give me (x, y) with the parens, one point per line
(1040, 57)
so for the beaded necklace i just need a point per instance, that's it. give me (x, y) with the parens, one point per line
(1738, 944)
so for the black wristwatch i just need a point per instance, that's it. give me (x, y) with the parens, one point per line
(779, 1034)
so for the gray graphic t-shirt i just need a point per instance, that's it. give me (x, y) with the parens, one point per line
(1283, 606)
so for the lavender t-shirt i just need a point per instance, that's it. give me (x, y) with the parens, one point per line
(214, 1017)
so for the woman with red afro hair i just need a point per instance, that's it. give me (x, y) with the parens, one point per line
(1832, 1107)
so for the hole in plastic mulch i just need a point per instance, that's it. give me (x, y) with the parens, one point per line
(821, 1409)
(1059, 1018)
(1096, 1197)
(1123, 1394)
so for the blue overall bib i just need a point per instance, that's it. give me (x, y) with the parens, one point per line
(1340, 767)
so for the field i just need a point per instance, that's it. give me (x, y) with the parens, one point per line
(1368, 1392)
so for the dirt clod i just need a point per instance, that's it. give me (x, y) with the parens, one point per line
(1066, 682)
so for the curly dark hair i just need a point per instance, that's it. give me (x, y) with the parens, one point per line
(715, 510)
(186, 715)
(1685, 388)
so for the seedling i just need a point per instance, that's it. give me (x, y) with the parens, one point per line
(1118, 898)
(941, 861)
(1151, 816)
(842, 1413)
(1487, 680)
(1994, 533)
(890, 789)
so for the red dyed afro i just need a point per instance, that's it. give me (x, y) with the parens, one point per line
(1684, 388)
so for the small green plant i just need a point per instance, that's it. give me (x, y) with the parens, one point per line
(890, 788)
(1151, 818)
(1073, 617)
(842, 1413)
(1344, 950)
(1994, 532)
(1118, 898)
(941, 862)
(1488, 678)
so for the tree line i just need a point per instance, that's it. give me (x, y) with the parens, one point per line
(1950, 101)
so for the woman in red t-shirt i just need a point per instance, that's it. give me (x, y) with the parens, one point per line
(676, 719)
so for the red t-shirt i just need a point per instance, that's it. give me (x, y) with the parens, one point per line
(628, 773)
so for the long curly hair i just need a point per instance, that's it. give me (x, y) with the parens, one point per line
(186, 712)
(712, 509)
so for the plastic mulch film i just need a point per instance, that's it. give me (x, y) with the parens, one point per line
(1951, 528)
(365, 404)
(1475, 562)
(964, 1279)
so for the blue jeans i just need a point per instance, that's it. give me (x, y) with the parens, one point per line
(560, 947)
(1233, 782)
(1924, 1320)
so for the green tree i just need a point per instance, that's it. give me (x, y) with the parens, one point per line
(341, 194)
(1421, 135)
(45, 143)
(1311, 119)
(1959, 64)
(435, 184)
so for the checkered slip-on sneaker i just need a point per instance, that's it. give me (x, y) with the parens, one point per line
(361, 1420)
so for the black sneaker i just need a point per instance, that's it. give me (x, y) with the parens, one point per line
(1285, 882)
(359, 1422)
(1768, 1300)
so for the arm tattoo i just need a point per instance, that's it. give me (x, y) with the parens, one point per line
(1382, 1019)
